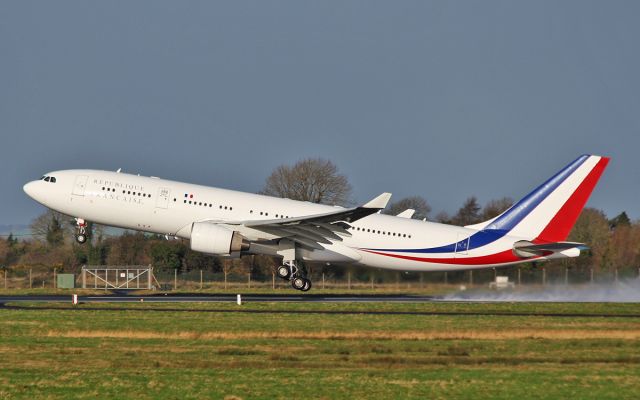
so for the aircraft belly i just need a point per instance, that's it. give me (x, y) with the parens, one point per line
(385, 262)
(333, 253)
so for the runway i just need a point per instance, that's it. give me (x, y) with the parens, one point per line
(221, 298)
(92, 303)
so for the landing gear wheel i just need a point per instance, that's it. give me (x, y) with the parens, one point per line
(284, 272)
(298, 283)
(81, 230)
(307, 285)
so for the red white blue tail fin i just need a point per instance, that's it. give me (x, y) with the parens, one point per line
(548, 213)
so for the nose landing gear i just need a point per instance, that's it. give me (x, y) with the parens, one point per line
(81, 230)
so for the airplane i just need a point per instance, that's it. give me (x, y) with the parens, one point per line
(232, 224)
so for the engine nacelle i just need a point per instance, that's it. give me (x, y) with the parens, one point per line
(214, 239)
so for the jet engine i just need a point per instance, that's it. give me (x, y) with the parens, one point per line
(214, 239)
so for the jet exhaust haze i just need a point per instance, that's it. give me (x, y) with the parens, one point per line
(625, 291)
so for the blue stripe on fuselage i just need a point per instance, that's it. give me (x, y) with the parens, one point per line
(509, 219)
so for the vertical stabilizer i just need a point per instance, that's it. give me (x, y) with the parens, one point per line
(548, 213)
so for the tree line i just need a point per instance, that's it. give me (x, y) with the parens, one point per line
(614, 242)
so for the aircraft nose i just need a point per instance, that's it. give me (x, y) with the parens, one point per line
(30, 188)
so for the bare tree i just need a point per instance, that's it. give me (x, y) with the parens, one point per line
(468, 213)
(493, 208)
(443, 217)
(52, 226)
(314, 179)
(417, 203)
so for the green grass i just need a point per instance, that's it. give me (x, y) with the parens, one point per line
(127, 351)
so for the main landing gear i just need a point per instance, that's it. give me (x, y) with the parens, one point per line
(289, 271)
(81, 230)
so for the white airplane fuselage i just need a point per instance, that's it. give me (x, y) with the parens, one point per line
(171, 208)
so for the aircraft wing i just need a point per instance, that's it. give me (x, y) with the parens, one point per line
(314, 230)
(526, 249)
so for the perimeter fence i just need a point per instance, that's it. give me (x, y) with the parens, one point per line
(27, 277)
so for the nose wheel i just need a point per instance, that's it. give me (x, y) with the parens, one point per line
(289, 271)
(81, 231)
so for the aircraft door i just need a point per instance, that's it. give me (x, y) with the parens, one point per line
(163, 197)
(80, 185)
(462, 245)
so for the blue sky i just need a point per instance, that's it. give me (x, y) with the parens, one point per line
(443, 99)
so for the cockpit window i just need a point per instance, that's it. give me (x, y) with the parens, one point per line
(53, 179)
(47, 179)
(42, 178)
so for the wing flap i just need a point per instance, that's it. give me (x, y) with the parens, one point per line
(318, 229)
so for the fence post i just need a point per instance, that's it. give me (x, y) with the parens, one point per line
(566, 275)
(519, 276)
(372, 280)
(591, 275)
(175, 279)
(349, 280)
(446, 278)
(616, 274)
(273, 281)
(55, 281)
(249, 280)
(31, 278)
(322, 279)
(6, 271)
(544, 277)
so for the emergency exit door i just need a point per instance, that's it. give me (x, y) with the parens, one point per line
(462, 246)
(80, 185)
(163, 197)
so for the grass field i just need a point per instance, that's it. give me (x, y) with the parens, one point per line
(178, 351)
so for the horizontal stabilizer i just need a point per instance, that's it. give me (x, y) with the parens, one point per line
(526, 249)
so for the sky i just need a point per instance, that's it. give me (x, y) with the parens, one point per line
(442, 99)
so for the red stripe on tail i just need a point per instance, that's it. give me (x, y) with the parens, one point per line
(559, 227)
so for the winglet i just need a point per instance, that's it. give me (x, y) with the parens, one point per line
(408, 213)
(379, 202)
